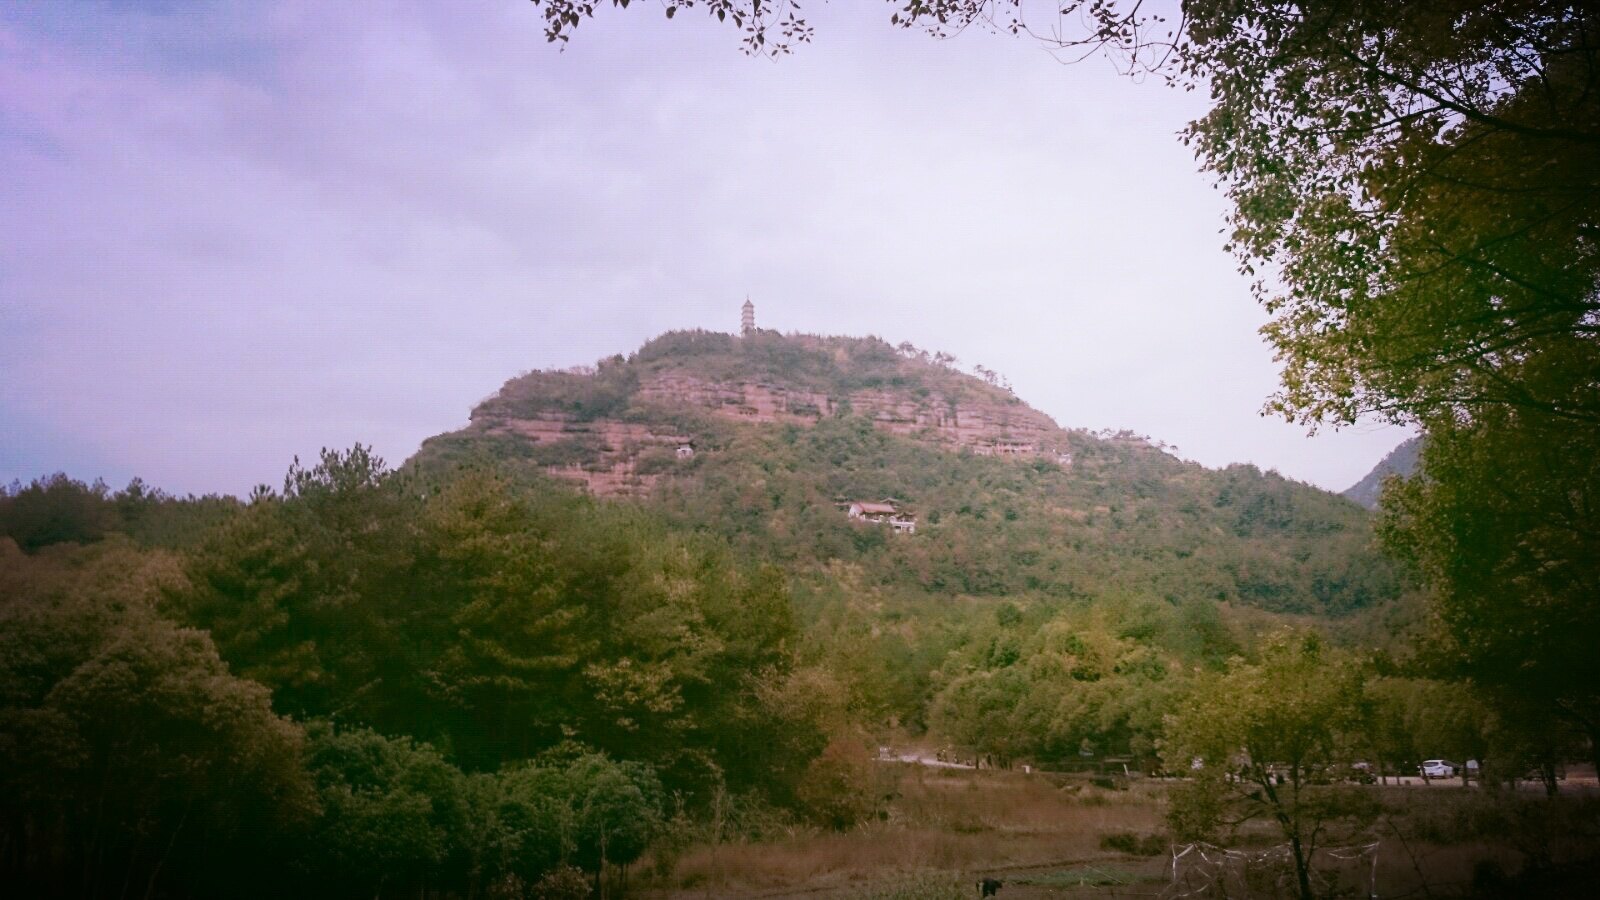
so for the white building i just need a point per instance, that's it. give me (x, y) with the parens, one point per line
(884, 513)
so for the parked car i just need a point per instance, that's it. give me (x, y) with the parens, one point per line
(1437, 768)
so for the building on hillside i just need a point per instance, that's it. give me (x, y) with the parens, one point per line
(885, 512)
(1005, 448)
(686, 450)
(747, 318)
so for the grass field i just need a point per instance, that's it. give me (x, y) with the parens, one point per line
(940, 830)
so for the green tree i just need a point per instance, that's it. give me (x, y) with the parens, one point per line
(56, 510)
(1263, 739)
(496, 618)
(310, 592)
(392, 810)
(130, 758)
(617, 809)
(1502, 526)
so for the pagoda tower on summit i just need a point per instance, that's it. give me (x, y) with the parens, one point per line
(747, 320)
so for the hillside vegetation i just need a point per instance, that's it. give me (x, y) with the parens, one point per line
(1114, 514)
(1121, 517)
(1049, 602)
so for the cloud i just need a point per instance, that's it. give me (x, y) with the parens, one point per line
(241, 233)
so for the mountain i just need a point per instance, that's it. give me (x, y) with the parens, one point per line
(1401, 461)
(766, 439)
(617, 427)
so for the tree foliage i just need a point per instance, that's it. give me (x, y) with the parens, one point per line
(1266, 739)
(58, 509)
(493, 619)
(1502, 525)
(1121, 518)
(129, 753)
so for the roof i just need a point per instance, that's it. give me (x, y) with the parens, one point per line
(868, 506)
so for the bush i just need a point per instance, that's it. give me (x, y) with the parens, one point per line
(836, 790)
(564, 883)
(1134, 844)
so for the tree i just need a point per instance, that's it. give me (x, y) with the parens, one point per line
(55, 510)
(496, 619)
(1504, 526)
(616, 810)
(131, 759)
(1417, 185)
(1264, 739)
(1449, 719)
(309, 592)
(392, 810)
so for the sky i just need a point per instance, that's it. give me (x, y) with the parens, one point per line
(236, 233)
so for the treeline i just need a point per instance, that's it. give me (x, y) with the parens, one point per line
(373, 684)
(58, 509)
(1069, 684)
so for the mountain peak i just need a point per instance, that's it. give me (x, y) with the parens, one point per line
(616, 426)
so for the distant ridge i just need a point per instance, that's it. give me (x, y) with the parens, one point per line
(1401, 461)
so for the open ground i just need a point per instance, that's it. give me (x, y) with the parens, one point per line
(941, 829)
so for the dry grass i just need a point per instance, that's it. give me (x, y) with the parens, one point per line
(1043, 835)
(951, 821)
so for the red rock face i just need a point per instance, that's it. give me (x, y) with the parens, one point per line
(618, 446)
(984, 425)
(747, 401)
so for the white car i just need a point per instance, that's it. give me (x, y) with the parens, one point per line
(1438, 768)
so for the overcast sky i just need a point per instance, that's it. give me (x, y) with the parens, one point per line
(237, 232)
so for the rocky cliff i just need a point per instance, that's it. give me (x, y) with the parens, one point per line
(622, 425)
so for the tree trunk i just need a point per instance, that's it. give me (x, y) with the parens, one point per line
(1594, 749)
(150, 886)
(1547, 772)
(1302, 869)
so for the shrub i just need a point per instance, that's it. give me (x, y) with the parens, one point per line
(1134, 844)
(836, 790)
(564, 883)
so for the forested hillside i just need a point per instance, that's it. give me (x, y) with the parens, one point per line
(1006, 502)
(1121, 517)
(1059, 583)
